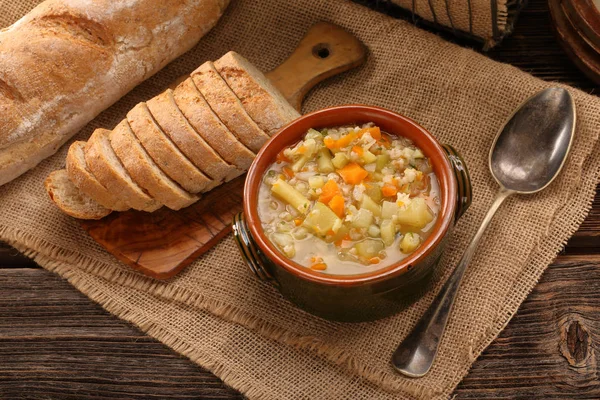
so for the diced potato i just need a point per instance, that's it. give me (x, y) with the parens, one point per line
(290, 195)
(362, 219)
(324, 164)
(340, 160)
(368, 204)
(299, 163)
(410, 242)
(313, 134)
(388, 232)
(418, 154)
(368, 157)
(285, 242)
(340, 234)
(374, 231)
(374, 192)
(382, 161)
(417, 214)
(369, 248)
(321, 219)
(316, 182)
(389, 209)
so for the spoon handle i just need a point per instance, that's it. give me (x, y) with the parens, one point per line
(415, 355)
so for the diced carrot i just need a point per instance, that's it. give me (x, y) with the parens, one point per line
(301, 150)
(329, 190)
(330, 233)
(353, 173)
(319, 267)
(298, 221)
(358, 150)
(347, 237)
(288, 172)
(337, 205)
(389, 190)
(338, 243)
(344, 141)
(374, 260)
(374, 131)
(281, 157)
(329, 143)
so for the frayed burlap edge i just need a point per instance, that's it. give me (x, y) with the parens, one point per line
(34, 247)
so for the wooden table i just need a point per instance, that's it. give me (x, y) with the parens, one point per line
(56, 343)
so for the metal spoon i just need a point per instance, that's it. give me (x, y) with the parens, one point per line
(527, 154)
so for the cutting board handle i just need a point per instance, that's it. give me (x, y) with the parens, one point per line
(326, 50)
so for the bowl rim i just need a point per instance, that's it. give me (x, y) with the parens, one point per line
(448, 192)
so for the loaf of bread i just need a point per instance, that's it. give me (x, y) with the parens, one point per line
(174, 146)
(68, 60)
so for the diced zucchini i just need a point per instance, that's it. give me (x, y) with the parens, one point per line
(340, 234)
(368, 157)
(340, 160)
(290, 195)
(374, 192)
(388, 231)
(369, 248)
(417, 214)
(410, 242)
(418, 154)
(321, 219)
(362, 219)
(382, 161)
(389, 209)
(368, 204)
(324, 164)
(316, 182)
(313, 134)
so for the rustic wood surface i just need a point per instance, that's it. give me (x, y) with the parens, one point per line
(55, 343)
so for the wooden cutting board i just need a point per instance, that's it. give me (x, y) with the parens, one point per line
(162, 243)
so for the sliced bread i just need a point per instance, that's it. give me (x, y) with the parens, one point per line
(83, 178)
(228, 107)
(70, 199)
(144, 171)
(199, 114)
(176, 126)
(164, 152)
(263, 102)
(108, 170)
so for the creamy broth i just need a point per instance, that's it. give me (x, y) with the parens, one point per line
(349, 200)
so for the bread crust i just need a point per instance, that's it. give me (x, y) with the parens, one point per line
(114, 177)
(144, 171)
(58, 187)
(87, 183)
(263, 102)
(228, 107)
(164, 152)
(199, 114)
(87, 54)
(174, 124)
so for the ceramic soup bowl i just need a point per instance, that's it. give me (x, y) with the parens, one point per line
(359, 297)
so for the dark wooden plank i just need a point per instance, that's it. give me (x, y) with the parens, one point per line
(550, 348)
(55, 343)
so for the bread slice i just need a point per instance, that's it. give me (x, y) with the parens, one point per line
(82, 177)
(164, 152)
(144, 171)
(199, 114)
(70, 199)
(228, 107)
(108, 170)
(176, 126)
(263, 102)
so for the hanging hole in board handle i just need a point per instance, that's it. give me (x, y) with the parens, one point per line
(321, 50)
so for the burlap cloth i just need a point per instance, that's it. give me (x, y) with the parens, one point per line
(221, 317)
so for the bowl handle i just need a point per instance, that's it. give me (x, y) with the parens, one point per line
(250, 252)
(461, 173)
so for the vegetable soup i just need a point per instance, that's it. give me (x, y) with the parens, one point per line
(349, 200)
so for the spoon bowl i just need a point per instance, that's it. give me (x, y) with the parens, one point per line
(526, 156)
(529, 152)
